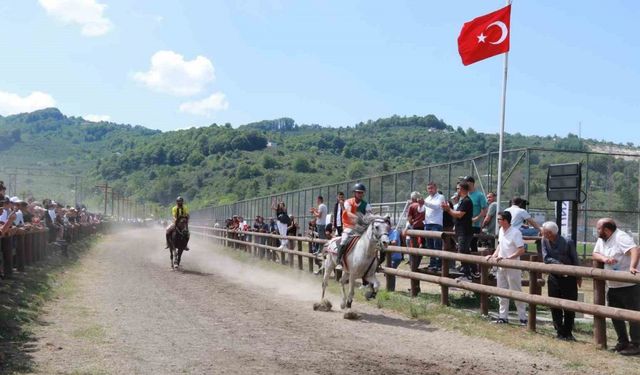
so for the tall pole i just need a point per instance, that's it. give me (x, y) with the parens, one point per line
(501, 142)
(106, 194)
(75, 190)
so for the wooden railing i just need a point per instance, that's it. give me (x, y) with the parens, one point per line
(248, 241)
(25, 247)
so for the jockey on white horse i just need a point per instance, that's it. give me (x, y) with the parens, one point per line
(352, 207)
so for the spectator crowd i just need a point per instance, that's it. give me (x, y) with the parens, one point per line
(18, 215)
(473, 218)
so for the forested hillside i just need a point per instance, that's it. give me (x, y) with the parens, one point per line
(219, 163)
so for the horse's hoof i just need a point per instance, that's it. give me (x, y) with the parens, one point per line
(369, 295)
(324, 305)
(349, 304)
(351, 315)
(343, 306)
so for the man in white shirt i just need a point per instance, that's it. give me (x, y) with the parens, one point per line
(320, 214)
(510, 246)
(6, 209)
(433, 221)
(19, 221)
(520, 216)
(617, 250)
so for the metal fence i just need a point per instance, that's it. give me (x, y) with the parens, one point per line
(609, 182)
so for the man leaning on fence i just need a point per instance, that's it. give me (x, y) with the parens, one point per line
(617, 250)
(557, 250)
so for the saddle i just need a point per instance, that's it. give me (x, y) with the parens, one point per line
(348, 247)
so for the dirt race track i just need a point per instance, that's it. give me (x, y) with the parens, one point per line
(125, 312)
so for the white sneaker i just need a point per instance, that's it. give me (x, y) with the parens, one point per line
(464, 278)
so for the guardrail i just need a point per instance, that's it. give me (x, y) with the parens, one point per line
(248, 241)
(27, 246)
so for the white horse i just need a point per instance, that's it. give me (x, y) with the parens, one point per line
(362, 260)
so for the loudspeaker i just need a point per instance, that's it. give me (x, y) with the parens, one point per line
(564, 181)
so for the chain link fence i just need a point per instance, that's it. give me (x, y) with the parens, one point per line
(609, 185)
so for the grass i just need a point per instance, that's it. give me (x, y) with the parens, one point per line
(94, 333)
(22, 298)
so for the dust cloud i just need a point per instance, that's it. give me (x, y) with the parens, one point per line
(207, 257)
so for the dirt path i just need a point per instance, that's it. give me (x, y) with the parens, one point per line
(125, 312)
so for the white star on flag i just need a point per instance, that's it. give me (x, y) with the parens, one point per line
(481, 38)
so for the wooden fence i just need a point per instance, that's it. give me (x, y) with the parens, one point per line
(250, 242)
(28, 246)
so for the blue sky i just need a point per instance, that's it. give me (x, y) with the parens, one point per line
(333, 63)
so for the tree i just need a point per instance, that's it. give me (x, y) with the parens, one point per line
(269, 162)
(301, 165)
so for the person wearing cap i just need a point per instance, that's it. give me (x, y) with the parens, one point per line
(394, 240)
(15, 203)
(26, 213)
(463, 227)
(352, 207)
(521, 217)
(178, 211)
(480, 206)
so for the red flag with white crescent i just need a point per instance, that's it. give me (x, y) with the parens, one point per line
(485, 36)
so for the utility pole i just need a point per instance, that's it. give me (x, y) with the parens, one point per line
(106, 188)
(77, 193)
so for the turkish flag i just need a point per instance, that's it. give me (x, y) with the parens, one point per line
(485, 36)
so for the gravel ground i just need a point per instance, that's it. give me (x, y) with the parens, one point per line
(125, 312)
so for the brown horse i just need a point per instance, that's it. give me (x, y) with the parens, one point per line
(178, 241)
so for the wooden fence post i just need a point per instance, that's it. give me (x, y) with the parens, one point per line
(444, 272)
(533, 289)
(20, 255)
(599, 323)
(310, 259)
(7, 255)
(300, 265)
(484, 297)
(28, 248)
(291, 246)
(391, 279)
(414, 261)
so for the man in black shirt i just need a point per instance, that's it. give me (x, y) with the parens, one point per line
(464, 228)
(557, 250)
(336, 219)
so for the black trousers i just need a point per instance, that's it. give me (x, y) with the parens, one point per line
(625, 298)
(474, 240)
(565, 288)
(463, 242)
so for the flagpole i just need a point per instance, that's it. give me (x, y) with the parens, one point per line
(501, 141)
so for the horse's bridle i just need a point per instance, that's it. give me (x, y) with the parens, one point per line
(378, 238)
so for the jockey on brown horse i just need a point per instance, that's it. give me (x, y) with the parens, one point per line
(180, 210)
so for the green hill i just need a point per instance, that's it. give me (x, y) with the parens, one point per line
(220, 164)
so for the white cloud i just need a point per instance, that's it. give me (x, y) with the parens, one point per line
(171, 73)
(13, 103)
(205, 107)
(97, 118)
(87, 13)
